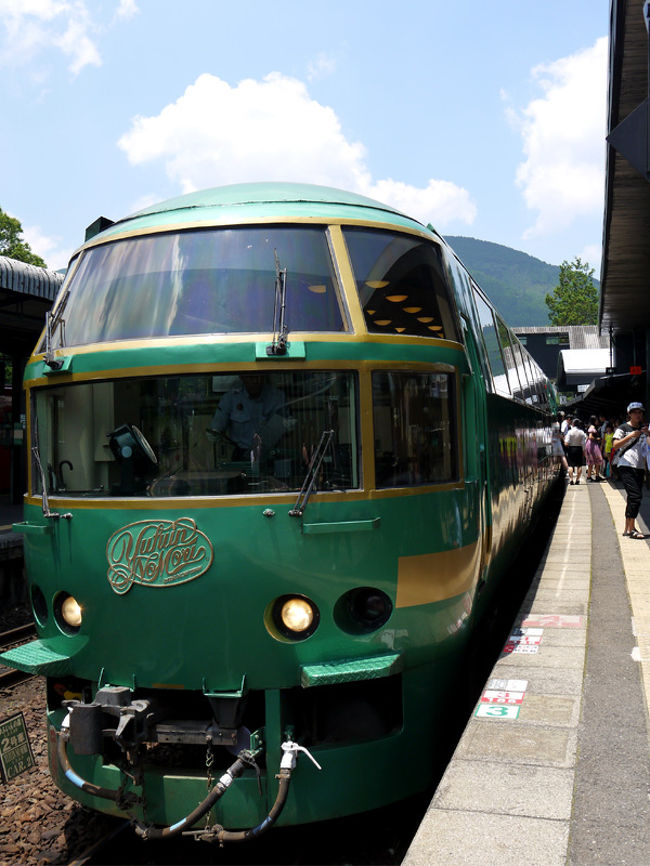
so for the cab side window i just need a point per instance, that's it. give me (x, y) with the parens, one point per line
(414, 428)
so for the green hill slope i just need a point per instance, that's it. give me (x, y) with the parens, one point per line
(515, 282)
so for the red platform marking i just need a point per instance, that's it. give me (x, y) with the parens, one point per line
(524, 640)
(504, 692)
(490, 696)
(554, 620)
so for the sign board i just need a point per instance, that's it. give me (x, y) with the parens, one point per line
(16, 754)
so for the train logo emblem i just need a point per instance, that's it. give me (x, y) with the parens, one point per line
(157, 553)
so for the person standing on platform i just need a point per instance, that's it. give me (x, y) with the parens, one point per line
(608, 438)
(629, 456)
(565, 424)
(575, 441)
(558, 443)
(592, 450)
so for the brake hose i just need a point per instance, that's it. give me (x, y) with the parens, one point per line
(287, 764)
(119, 796)
(283, 777)
(244, 759)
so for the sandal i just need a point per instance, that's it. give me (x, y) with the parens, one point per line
(635, 534)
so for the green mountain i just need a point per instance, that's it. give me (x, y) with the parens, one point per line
(515, 282)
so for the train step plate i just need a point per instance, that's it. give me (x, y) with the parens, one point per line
(45, 656)
(349, 670)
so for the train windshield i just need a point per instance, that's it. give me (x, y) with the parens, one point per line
(400, 283)
(209, 281)
(206, 435)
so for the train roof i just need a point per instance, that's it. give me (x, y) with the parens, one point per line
(245, 202)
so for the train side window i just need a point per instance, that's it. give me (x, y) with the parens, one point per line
(522, 370)
(401, 283)
(495, 356)
(509, 358)
(414, 428)
(540, 384)
(532, 378)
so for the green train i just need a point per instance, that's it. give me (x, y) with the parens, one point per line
(283, 449)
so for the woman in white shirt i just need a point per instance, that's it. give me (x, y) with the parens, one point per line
(575, 453)
(629, 453)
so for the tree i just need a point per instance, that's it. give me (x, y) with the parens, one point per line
(11, 243)
(574, 300)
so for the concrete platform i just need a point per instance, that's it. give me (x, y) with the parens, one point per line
(554, 765)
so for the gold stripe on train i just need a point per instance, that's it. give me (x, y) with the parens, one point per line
(237, 366)
(214, 222)
(221, 339)
(145, 503)
(431, 577)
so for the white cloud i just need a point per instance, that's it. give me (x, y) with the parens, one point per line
(320, 67)
(48, 248)
(451, 202)
(273, 130)
(592, 253)
(75, 42)
(127, 9)
(563, 136)
(29, 28)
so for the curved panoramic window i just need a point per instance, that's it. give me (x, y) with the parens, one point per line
(209, 281)
(400, 283)
(207, 435)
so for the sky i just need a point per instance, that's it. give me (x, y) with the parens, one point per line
(484, 119)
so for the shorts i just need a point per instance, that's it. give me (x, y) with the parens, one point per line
(575, 456)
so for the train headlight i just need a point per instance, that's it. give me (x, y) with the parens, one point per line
(294, 617)
(71, 611)
(67, 613)
(297, 614)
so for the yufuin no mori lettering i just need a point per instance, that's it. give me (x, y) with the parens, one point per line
(157, 553)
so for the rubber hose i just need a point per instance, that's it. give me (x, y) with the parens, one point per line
(203, 808)
(284, 777)
(95, 790)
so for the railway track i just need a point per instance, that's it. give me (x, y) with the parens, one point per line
(99, 847)
(8, 639)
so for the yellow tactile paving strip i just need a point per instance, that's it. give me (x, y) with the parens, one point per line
(636, 564)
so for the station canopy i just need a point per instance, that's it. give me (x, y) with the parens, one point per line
(26, 293)
(581, 366)
(625, 299)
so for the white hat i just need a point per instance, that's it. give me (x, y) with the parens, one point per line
(636, 406)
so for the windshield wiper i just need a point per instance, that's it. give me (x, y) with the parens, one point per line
(52, 322)
(280, 330)
(312, 472)
(50, 515)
